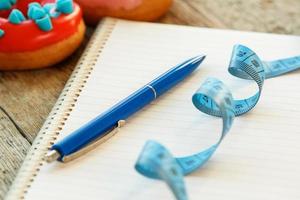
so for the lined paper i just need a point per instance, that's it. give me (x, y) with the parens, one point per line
(259, 158)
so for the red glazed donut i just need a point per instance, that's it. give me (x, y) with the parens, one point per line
(36, 40)
(144, 10)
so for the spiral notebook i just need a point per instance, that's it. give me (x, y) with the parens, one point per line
(258, 160)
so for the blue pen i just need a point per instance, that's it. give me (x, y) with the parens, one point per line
(104, 126)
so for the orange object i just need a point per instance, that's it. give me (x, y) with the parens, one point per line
(26, 46)
(142, 10)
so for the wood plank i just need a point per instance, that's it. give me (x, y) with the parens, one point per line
(13, 148)
(273, 16)
(28, 96)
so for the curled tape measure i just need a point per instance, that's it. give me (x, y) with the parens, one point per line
(212, 98)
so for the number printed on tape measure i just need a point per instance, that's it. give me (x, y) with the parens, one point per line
(212, 98)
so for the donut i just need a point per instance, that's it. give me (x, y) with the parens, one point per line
(38, 33)
(142, 10)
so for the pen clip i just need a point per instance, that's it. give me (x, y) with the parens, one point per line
(94, 144)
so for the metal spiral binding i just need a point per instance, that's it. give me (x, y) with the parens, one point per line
(61, 111)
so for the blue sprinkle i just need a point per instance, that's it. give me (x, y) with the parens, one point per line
(16, 17)
(35, 4)
(32, 8)
(54, 14)
(5, 4)
(44, 23)
(37, 13)
(19, 14)
(50, 9)
(1, 33)
(29, 12)
(65, 6)
(13, 2)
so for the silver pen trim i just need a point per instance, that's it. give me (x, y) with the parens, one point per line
(154, 91)
(54, 154)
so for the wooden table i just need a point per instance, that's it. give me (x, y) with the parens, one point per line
(27, 97)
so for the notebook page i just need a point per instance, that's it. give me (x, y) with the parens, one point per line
(259, 158)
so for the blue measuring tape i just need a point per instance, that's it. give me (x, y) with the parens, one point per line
(212, 98)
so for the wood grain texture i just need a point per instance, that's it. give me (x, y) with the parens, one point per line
(13, 149)
(28, 96)
(273, 16)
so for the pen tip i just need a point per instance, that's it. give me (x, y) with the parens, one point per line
(52, 156)
(201, 57)
(196, 61)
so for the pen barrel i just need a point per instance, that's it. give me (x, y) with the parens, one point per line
(99, 126)
(104, 122)
(175, 75)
